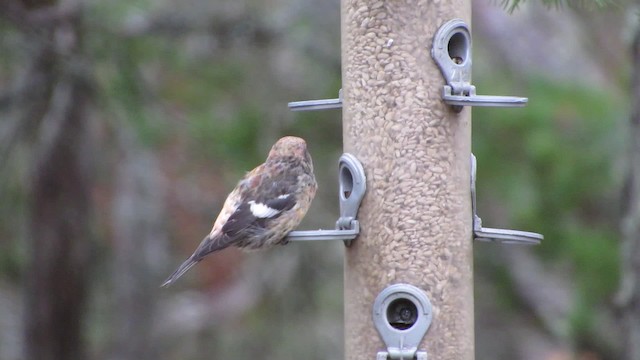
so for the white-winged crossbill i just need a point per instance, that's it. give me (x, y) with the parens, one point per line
(265, 206)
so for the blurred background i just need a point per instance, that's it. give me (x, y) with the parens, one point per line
(124, 124)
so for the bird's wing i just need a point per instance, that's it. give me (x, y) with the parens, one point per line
(261, 196)
(251, 216)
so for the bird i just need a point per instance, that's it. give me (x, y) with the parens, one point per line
(266, 204)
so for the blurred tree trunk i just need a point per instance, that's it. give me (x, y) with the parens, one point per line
(59, 206)
(629, 294)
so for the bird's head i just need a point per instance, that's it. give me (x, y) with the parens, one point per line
(289, 146)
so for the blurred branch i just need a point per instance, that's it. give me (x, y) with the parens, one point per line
(551, 298)
(11, 312)
(31, 97)
(41, 18)
(513, 5)
(548, 295)
(224, 29)
(52, 41)
(628, 297)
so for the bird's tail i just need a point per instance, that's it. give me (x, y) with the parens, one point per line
(188, 264)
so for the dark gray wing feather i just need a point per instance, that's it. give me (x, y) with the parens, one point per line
(244, 222)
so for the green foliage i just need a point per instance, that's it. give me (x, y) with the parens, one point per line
(233, 141)
(127, 93)
(198, 85)
(552, 167)
(13, 205)
(581, 318)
